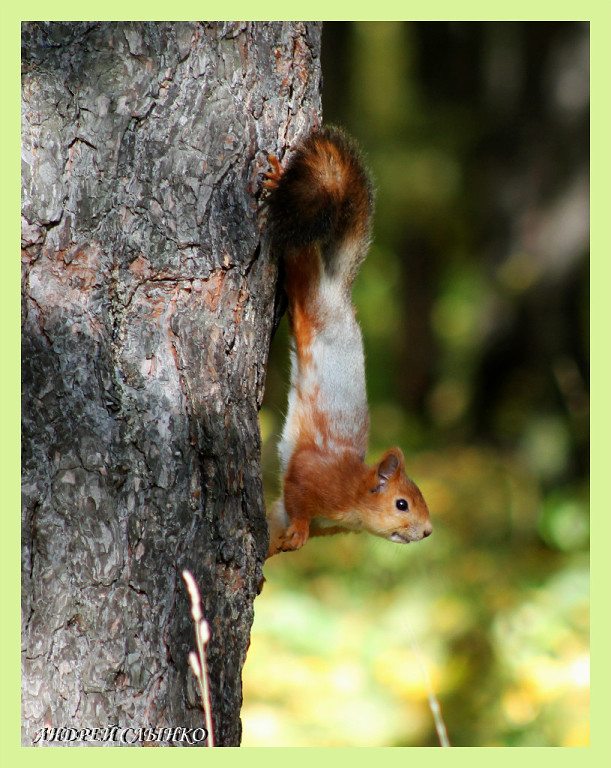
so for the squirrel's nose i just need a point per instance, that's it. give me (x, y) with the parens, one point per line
(427, 531)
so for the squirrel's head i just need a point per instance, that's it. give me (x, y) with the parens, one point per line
(398, 509)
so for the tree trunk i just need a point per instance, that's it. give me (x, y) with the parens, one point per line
(148, 306)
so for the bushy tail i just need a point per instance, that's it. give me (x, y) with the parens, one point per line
(324, 196)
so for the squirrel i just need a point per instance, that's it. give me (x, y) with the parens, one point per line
(319, 215)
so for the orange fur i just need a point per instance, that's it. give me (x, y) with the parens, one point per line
(302, 272)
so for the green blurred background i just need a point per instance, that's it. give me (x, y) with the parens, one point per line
(474, 307)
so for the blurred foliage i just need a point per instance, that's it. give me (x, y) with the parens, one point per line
(474, 308)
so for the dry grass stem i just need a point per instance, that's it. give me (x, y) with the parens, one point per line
(197, 661)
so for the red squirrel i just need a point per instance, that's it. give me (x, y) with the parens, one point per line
(319, 213)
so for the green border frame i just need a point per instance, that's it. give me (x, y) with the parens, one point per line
(599, 14)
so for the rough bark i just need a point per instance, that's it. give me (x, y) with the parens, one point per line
(148, 305)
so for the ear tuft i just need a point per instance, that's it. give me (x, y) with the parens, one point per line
(388, 466)
(391, 462)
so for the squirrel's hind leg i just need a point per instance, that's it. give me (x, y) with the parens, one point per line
(272, 178)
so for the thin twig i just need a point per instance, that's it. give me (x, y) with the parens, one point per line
(440, 726)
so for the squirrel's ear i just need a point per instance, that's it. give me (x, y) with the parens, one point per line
(390, 463)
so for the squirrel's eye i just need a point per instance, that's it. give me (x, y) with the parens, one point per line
(401, 504)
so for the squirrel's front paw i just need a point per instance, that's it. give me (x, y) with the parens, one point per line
(296, 535)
